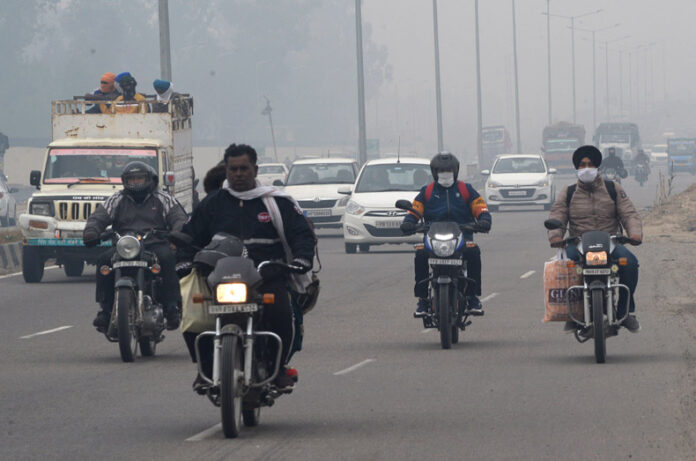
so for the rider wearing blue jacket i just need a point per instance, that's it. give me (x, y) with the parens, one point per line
(448, 199)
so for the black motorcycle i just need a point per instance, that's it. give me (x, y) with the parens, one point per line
(641, 173)
(448, 279)
(137, 317)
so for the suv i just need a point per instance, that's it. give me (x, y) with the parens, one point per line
(519, 180)
(314, 184)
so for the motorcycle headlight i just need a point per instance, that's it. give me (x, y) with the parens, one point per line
(443, 248)
(41, 209)
(231, 293)
(353, 208)
(596, 258)
(128, 247)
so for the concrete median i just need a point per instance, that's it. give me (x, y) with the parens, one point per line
(11, 257)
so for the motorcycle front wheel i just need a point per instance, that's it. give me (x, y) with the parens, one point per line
(231, 385)
(127, 338)
(444, 316)
(600, 348)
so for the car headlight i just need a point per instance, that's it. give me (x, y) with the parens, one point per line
(41, 208)
(231, 293)
(493, 184)
(128, 247)
(353, 208)
(343, 201)
(542, 183)
(596, 258)
(443, 248)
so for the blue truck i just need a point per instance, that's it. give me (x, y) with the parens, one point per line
(681, 154)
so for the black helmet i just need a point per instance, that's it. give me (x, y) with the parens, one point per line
(139, 179)
(444, 161)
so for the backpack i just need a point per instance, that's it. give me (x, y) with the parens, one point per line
(611, 188)
(463, 190)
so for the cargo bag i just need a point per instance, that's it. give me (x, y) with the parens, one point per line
(195, 317)
(559, 274)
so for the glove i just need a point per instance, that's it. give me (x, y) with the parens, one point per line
(557, 243)
(302, 263)
(408, 227)
(90, 237)
(483, 226)
(635, 240)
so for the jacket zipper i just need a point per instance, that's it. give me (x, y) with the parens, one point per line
(448, 204)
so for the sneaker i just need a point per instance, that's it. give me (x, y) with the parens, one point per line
(570, 326)
(474, 306)
(200, 386)
(101, 321)
(631, 324)
(173, 318)
(423, 307)
(286, 379)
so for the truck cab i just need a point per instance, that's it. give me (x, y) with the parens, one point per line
(82, 168)
(681, 155)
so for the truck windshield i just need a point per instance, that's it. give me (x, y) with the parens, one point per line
(70, 165)
(493, 136)
(321, 173)
(682, 147)
(561, 145)
(617, 138)
(395, 177)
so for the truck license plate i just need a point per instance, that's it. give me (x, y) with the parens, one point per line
(232, 308)
(317, 213)
(445, 262)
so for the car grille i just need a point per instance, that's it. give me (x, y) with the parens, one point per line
(75, 211)
(387, 232)
(386, 213)
(325, 219)
(527, 193)
(317, 204)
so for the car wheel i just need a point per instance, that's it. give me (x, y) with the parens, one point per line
(351, 248)
(4, 222)
(547, 207)
(364, 248)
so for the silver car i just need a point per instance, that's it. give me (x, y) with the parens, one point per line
(8, 206)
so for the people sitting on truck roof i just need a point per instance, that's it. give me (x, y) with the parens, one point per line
(165, 93)
(106, 91)
(124, 103)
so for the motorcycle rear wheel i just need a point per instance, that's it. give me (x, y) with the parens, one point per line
(600, 348)
(444, 316)
(231, 385)
(127, 339)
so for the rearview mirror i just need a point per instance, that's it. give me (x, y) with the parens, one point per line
(35, 178)
(553, 171)
(278, 183)
(552, 224)
(345, 190)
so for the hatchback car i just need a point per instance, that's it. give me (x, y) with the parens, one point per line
(314, 184)
(371, 217)
(519, 180)
(270, 173)
(8, 206)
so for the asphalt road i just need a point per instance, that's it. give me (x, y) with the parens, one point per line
(373, 383)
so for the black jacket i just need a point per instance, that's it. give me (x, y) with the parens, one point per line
(613, 161)
(158, 211)
(249, 220)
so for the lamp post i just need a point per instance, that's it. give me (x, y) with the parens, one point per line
(362, 140)
(572, 47)
(267, 111)
(517, 86)
(606, 53)
(165, 50)
(438, 98)
(548, 53)
(479, 126)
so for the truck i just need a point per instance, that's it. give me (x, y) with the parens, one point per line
(495, 140)
(559, 141)
(681, 155)
(623, 136)
(82, 167)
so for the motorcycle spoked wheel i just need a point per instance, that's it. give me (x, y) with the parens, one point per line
(444, 316)
(600, 347)
(231, 384)
(127, 335)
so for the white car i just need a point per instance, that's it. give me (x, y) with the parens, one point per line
(314, 184)
(371, 217)
(519, 180)
(8, 206)
(272, 172)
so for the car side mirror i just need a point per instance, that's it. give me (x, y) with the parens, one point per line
(486, 172)
(553, 171)
(35, 178)
(278, 183)
(345, 190)
(169, 178)
(552, 224)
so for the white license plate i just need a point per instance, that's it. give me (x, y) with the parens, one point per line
(517, 193)
(232, 308)
(316, 213)
(393, 224)
(596, 271)
(129, 264)
(445, 262)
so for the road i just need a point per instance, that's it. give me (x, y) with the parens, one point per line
(373, 383)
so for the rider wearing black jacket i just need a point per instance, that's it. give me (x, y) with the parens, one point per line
(138, 208)
(614, 162)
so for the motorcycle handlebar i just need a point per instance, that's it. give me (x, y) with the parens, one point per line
(282, 265)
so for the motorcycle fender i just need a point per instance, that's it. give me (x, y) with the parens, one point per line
(229, 329)
(444, 279)
(125, 282)
(597, 285)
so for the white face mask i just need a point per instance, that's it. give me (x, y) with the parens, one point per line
(587, 175)
(446, 178)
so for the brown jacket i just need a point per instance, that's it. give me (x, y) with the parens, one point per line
(592, 208)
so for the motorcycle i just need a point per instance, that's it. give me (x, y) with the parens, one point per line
(137, 317)
(243, 369)
(600, 289)
(610, 174)
(448, 276)
(641, 173)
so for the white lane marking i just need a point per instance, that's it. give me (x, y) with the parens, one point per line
(489, 297)
(206, 433)
(64, 327)
(527, 274)
(19, 273)
(354, 367)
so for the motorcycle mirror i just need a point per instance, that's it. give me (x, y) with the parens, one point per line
(403, 205)
(552, 224)
(180, 239)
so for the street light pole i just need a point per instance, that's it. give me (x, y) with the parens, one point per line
(517, 86)
(438, 98)
(620, 84)
(479, 126)
(267, 111)
(362, 140)
(165, 53)
(548, 54)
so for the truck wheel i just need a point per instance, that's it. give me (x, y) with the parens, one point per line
(4, 222)
(32, 265)
(74, 268)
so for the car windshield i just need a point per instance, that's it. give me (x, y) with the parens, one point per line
(271, 169)
(682, 147)
(321, 173)
(70, 165)
(394, 177)
(519, 165)
(617, 138)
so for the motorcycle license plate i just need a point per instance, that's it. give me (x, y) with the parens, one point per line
(388, 224)
(596, 271)
(232, 308)
(445, 262)
(129, 264)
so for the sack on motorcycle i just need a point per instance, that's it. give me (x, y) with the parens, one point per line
(195, 317)
(558, 276)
